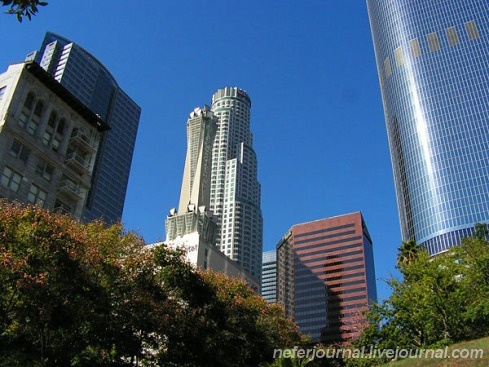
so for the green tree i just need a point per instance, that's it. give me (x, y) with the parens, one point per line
(481, 232)
(290, 362)
(73, 294)
(473, 255)
(439, 300)
(81, 295)
(407, 253)
(23, 8)
(225, 324)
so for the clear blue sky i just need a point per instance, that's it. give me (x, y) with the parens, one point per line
(309, 68)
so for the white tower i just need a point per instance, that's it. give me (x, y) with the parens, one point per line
(235, 190)
(193, 211)
(194, 227)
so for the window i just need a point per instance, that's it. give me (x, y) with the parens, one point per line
(49, 132)
(54, 131)
(44, 169)
(11, 179)
(35, 119)
(387, 67)
(433, 42)
(58, 136)
(471, 29)
(28, 118)
(26, 110)
(452, 36)
(415, 48)
(399, 56)
(18, 150)
(2, 92)
(36, 195)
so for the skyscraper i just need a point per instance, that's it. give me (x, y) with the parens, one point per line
(269, 276)
(90, 81)
(326, 276)
(193, 215)
(235, 190)
(194, 227)
(433, 65)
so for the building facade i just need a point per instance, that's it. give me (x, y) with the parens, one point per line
(433, 65)
(193, 226)
(92, 83)
(193, 214)
(48, 141)
(326, 276)
(269, 276)
(235, 197)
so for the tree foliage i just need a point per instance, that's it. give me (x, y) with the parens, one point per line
(439, 300)
(89, 295)
(23, 8)
(407, 253)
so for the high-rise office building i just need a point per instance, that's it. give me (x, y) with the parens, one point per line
(193, 227)
(193, 215)
(48, 141)
(269, 276)
(433, 65)
(90, 81)
(326, 276)
(235, 190)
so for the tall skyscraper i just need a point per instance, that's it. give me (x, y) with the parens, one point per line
(48, 141)
(194, 227)
(193, 215)
(235, 190)
(326, 276)
(90, 81)
(269, 276)
(433, 65)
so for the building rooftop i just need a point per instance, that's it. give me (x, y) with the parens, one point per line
(63, 93)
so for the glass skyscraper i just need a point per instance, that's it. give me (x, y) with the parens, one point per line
(90, 81)
(433, 64)
(269, 276)
(235, 191)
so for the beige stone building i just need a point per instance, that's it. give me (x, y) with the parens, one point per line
(48, 141)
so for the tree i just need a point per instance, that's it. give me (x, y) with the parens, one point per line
(290, 362)
(75, 294)
(408, 252)
(481, 232)
(473, 255)
(439, 300)
(23, 8)
(79, 295)
(225, 324)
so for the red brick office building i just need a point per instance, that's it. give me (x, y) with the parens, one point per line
(326, 276)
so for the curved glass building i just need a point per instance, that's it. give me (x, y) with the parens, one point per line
(93, 84)
(433, 63)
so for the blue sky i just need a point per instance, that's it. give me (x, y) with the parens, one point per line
(309, 68)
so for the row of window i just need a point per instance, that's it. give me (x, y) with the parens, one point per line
(302, 266)
(323, 230)
(433, 44)
(31, 116)
(339, 234)
(12, 179)
(348, 276)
